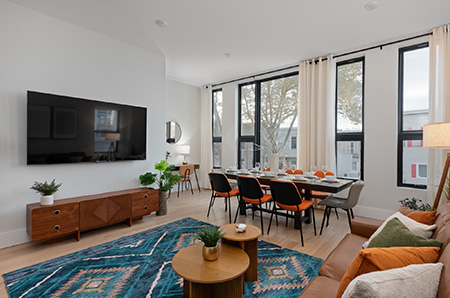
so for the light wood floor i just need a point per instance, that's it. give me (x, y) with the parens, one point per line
(187, 205)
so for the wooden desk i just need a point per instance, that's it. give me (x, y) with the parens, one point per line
(248, 241)
(222, 278)
(196, 166)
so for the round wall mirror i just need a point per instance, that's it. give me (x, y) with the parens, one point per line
(173, 132)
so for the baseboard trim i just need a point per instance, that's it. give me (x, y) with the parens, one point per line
(372, 212)
(15, 237)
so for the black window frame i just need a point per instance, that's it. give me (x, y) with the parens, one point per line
(256, 137)
(351, 136)
(403, 135)
(215, 139)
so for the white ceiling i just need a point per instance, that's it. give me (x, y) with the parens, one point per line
(260, 34)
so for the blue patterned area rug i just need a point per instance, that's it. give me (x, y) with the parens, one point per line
(140, 265)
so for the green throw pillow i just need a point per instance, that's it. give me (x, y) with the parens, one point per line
(395, 233)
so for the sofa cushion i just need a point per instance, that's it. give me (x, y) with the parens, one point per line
(442, 232)
(425, 217)
(377, 259)
(320, 287)
(413, 281)
(364, 226)
(341, 257)
(395, 233)
(444, 286)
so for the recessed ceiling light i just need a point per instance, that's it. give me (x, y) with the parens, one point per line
(228, 55)
(161, 23)
(372, 5)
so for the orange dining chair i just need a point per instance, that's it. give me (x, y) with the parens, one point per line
(267, 169)
(221, 187)
(252, 193)
(287, 197)
(289, 172)
(298, 172)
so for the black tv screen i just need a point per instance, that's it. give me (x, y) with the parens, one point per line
(63, 129)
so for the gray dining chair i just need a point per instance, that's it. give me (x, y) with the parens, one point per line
(346, 204)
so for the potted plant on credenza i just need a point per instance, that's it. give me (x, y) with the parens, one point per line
(46, 190)
(165, 180)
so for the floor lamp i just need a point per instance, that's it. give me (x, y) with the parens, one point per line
(437, 136)
(113, 137)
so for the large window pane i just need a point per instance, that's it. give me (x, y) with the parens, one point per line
(246, 161)
(217, 113)
(279, 110)
(217, 155)
(415, 89)
(415, 160)
(349, 97)
(248, 108)
(349, 159)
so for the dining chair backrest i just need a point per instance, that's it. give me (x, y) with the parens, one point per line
(328, 173)
(249, 187)
(219, 182)
(354, 194)
(319, 174)
(285, 192)
(289, 171)
(186, 171)
(298, 172)
(267, 169)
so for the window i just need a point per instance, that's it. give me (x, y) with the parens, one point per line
(106, 131)
(217, 113)
(412, 115)
(350, 118)
(268, 112)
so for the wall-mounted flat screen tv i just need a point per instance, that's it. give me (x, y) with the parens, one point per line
(63, 129)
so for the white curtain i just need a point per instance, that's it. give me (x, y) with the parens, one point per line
(439, 45)
(316, 122)
(206, 136)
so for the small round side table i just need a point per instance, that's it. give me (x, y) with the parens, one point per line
(222, 278)
(248, 241)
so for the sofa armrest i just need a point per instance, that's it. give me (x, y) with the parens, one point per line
(364, 226)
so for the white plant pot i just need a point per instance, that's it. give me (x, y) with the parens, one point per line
(274, 163)
(47, 200)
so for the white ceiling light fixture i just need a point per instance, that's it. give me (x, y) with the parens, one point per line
(372, 5)
(161, 23)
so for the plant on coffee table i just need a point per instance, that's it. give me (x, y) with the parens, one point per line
(210, 235)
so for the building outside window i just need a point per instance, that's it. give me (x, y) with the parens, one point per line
(268, 121)
(217, 114)
(413, 115)
(350, 118)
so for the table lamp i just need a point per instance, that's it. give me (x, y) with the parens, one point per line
(113, 136)
(185, 149)
(437, 136)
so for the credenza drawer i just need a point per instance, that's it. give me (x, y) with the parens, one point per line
(53, 221)
(144, 202)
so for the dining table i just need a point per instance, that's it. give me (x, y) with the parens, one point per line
(307, 184)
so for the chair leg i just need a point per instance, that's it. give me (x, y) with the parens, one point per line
(237, 212)
(314, 220)
(300, 222)
(211, 203)
(226, 205)
(229, 209)
(349, 219)
(337, 215)
(351, 212)
(192, 189)
(262, 225)
(271, 216)
(328, 216)
(287, 217)
(323, 219)
(178, 195)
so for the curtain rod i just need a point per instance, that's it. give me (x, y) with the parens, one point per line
(337, 56)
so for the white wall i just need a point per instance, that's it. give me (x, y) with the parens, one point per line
(44, 54)
(183, 105)
(381, 195)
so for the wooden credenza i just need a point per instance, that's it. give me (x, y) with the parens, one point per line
(69, 217)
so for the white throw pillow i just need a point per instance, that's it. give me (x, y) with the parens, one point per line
(413, 281)
(417, 228)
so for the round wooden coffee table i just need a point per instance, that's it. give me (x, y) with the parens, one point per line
(248, 241)
(223, 277)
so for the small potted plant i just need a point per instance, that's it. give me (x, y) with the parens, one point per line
(210, 235)
(165, 179)
(46, 190)
(415, 204)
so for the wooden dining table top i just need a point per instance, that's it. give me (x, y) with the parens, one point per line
(310, 184)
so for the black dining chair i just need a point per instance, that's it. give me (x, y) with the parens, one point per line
(287, 197)
(252, 193)
(221, 187)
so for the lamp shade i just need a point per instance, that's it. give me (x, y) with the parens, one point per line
(185, 149)
(112, 136)
(436, 135)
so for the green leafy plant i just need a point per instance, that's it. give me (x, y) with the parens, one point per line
(209, 235)
(165, 179)
(415, 204)
(45, 188)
